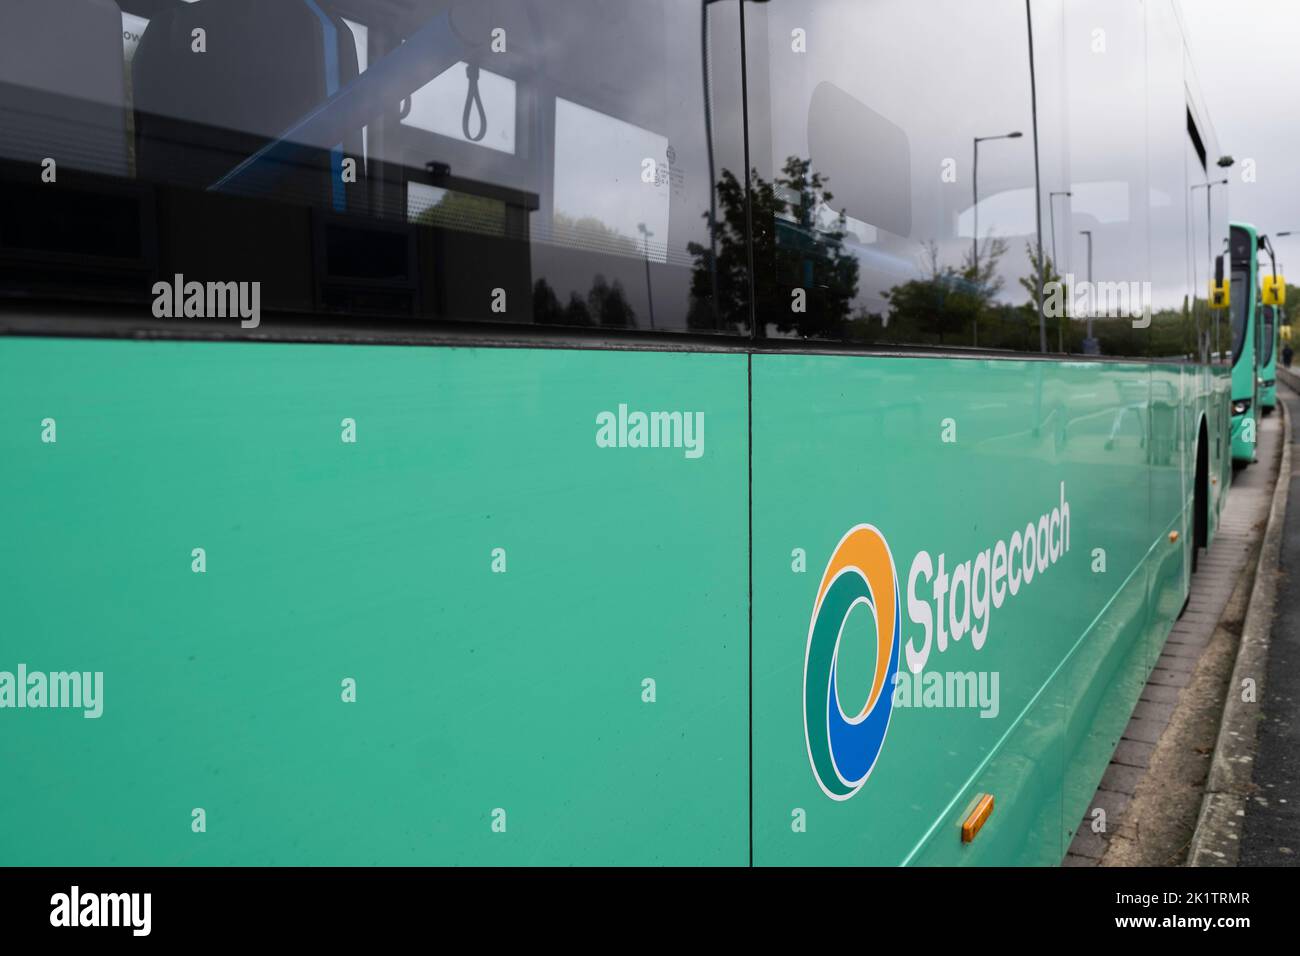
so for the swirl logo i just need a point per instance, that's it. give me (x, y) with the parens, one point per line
(843, 749)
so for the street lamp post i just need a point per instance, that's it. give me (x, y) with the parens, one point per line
(649, 294)
(1088, 342)
(1051, 212)
(975, 197)
(1209, 215)
(975, 213)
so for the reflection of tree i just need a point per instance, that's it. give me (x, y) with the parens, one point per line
(458, 210)
(1173, 332)
(1292, 306)
(590, 233)
(609, 305)
(731, 311)
(1042, 275)
(792, 250)
(948, 304)
(606, 305)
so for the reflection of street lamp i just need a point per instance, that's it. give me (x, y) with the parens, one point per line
(975, 226)
(1285, 232)
(1091, 292)
(1051, 212)
(1209, 216)
(641, 228)
(975, 196)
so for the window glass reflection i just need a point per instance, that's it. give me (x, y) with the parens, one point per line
(516, 161)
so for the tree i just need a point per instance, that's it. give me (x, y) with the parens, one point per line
(947, 304)
(1038, 284)
(794, 248)
(465, 211)
(609, 305)
(592, 234)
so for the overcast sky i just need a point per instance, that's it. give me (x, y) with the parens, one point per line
(1247, 56)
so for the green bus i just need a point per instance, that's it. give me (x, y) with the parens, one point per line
(599, 432)
(1272, 298)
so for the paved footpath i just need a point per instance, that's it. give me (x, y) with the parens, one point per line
(1216, 577)
(1271, 828)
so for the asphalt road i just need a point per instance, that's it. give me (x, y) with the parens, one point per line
(1271, 829)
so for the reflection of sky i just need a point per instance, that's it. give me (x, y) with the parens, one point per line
(1249, 71)
(970, 82)
(1006, 214)
(1100, 202)
(598, 174)
(1115, 137)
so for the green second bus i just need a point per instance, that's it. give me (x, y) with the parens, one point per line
(1247, 340)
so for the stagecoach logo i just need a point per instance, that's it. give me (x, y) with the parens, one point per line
(947, 601)
(843, 749)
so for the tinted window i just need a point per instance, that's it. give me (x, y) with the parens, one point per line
(1171, 299)
(1113, 198)
(518, 161)
(872, 221)
(1270, 334)
(1201, 246)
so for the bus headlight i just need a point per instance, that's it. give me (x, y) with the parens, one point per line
(1241, 406)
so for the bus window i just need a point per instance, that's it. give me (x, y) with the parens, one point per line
(514, 161)
(895, 198)
(1270, 335)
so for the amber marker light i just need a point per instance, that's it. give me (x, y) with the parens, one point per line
(972, 825)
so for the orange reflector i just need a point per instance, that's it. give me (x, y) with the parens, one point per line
(972, 824)
(1173, 535)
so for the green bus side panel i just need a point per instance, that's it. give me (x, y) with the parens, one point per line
(843, 441)
(476, 691)
(1171, 456)
(1243, 426)
(1218, 419)
(523, 691)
